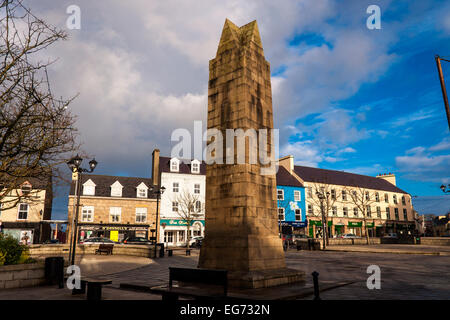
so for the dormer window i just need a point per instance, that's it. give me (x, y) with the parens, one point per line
(89, 188)
(195, 166)
(116, 189)
(26, 188)
(174, 165)
(142, 190)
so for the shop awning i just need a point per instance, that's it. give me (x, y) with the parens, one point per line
(319, 223)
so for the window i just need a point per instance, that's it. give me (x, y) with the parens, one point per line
(168, 236)
(403, 201)
(175, 206)
(1, 205)
(297, 196)
(367, 195)
(281, 214)
(344, 195)
(369, 213)
(26, 188)
(310, 192)
(175, 187)
(355, 211)
(377, 197)
(345, 211)
(395, 198)
(378, 212)
(115, 214)
(116, 189)
(298, 214)
(174, 165)
(142, 193)
(23, 211)
(396, 213)
(388, 213)
(87, 214)
(386, 198)
(280, 194)
(333, 194)
(197, 188)
(198, 206)
(405, 214)
(334, 211)
(141, 214)
(355, 197)
(195, 166)
(310, 209)
(89, 188)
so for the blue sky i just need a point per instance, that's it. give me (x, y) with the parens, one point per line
(344, 97)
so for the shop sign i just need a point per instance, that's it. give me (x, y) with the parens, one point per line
(296, 224)
(369, 224)
(179, 222)
(319, 223)
(353, 224)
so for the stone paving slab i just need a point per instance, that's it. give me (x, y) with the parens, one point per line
(403, 276)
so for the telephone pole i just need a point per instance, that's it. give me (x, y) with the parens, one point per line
(444, 92)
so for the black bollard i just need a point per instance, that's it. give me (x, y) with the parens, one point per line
(315, 275)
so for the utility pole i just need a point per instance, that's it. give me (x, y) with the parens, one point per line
(444, 92)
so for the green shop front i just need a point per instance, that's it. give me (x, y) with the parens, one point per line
(174, 232)
(355, 227)
(315, 229)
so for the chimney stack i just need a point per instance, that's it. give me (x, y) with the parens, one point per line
(155, 167)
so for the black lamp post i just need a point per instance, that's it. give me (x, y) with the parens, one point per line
(445, 189)
(158, 191)
(322, 196)
(75, 166)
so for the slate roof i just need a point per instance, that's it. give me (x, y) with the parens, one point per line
(343, 178)
(284, 178)
(103, 185)
(164, 166)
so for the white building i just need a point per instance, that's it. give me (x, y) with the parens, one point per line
(180, 178)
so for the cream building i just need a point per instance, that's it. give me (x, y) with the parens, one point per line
(390, 210)
(25, 221)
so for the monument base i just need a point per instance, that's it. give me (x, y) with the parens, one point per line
(264, 278)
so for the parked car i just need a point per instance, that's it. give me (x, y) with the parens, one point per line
(52, 241)
(96, 240)
(391, 235)
(193, 241)
(349, 236)
(137, 240)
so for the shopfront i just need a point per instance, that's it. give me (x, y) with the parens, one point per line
(339, 229)
(370, 227)
(115, 232)
(355, 227)
(174, 231)
(25, 232)
(293, 227)
(316, 229)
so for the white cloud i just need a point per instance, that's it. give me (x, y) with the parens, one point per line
(304, 152)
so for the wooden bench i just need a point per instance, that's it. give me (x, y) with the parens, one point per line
(107, 248)
(194, 277)
(94, 286)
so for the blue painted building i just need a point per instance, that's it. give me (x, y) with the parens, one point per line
(291, 203)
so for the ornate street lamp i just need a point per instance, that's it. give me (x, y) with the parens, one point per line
(75, 166)
(158, 191)
(445, 189)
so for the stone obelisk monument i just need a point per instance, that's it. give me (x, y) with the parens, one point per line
(241, 212)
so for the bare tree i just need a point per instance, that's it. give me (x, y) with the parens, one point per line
(362, 199)
(322, 201)
(37, 131)
(190, 208)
